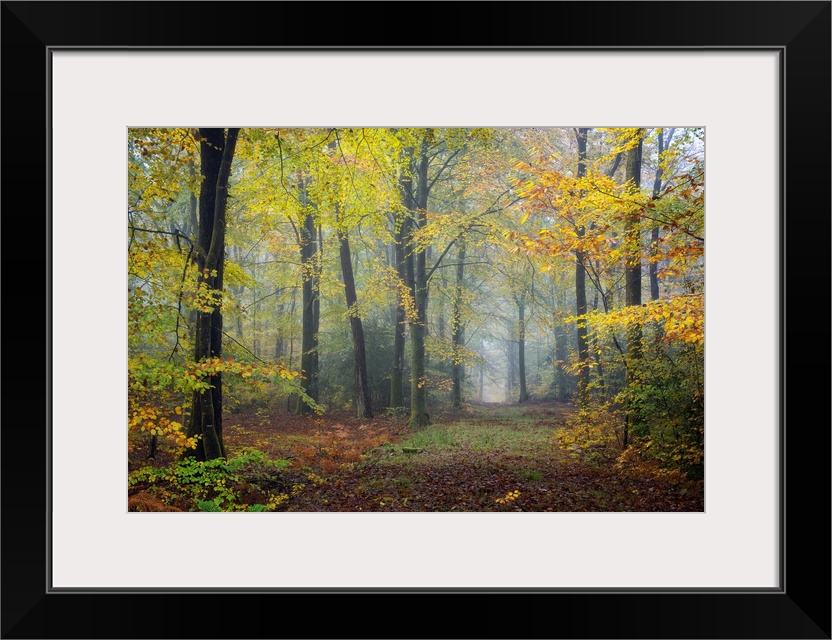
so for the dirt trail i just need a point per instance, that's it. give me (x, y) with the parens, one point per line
(490, 457)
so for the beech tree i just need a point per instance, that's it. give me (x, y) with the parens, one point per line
(311, 304)
(632, 269)
(216, 155)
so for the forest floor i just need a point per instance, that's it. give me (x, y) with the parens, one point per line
(487, 457)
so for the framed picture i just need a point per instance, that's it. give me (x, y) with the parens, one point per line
(755, 75)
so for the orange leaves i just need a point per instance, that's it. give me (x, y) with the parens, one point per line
(681, 318)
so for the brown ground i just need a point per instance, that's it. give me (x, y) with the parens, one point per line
(341, 463)
(347, 464)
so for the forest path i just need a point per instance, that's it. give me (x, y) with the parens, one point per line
(488, 457)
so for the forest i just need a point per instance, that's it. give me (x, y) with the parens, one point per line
(415, 319)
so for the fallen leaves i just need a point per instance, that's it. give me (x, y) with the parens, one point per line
(349, 468)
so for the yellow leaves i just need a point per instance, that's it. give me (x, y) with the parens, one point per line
(509, 497)
(155, 420)
(623, 138)
(211, 366)
(680, 318)
(236, 276)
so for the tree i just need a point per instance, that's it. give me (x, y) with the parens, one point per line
(310, 305)
(521, 346)
(458, 328)
(216, 155)
(632, 269)
(361, 396)
(401, 225)
(580, 284)
(417, 281)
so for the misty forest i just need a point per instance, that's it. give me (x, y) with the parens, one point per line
(415, 319)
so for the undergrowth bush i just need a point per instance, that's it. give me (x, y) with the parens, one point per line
(238, 484)
(592, 435)
(661, 441)
(658, 398)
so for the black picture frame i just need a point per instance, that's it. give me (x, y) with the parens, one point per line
(799, 31)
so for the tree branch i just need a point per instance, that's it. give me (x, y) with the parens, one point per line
(442, 168)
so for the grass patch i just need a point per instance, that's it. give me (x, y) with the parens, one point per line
(515, 437)
(432, 437)
(509, 431)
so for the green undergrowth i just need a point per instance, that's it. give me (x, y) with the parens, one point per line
(250, 481)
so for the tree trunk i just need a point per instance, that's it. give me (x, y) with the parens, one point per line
(632, 270)
(363, 403)
(458, 329)
(290, 398)
(599, 366)
(440, 309)
(521, 347)
(309, 343)
(316, 307)
(654, 232)
(417, 275)
(280, 338)
(216, 155)
(580, 289)
(397, 372)
(560, 356)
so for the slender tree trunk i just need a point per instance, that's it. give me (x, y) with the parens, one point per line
(216, 155)
(289, 399)
(193, 234)
(561, 355)
(237, 294)
(580, 289)
(254, 333)
(397, 372)
(458, 328)
(193, 204)
(440, 309)
(280, 338)
(316, 308)
(482, 382)
(363, 402)
(632, 270)
(521, 347)
(594, 343)
(417, 275)
(309, 343)
(654, 232)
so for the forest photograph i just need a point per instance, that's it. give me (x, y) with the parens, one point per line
(342, 319)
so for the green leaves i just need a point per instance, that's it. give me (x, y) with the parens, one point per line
(209, 506)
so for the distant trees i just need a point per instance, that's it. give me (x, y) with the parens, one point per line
(400, 268)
